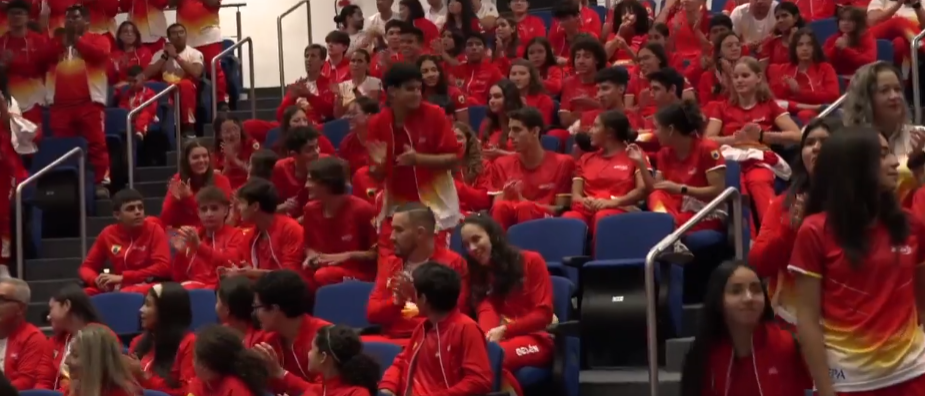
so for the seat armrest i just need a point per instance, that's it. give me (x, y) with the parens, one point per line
(570, 328)
(498, 394)
(564, 332)
(575, 261)
(370, 330)
(157, 279)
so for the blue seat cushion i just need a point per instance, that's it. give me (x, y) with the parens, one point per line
(700, 240)
(531, 376)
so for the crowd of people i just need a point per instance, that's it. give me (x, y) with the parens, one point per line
(645, 110)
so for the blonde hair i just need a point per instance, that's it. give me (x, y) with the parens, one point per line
(762, 91)
(472, 161)
(101, 364)
(858, 107)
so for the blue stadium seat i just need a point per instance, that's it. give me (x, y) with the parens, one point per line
(550, 143)
(885, 50)
(202, 302)
(456, 243)
(717, 6)
(601, 12)
(336, 130)
(272, 137)
(824, 28)
(344, 303)
(496, 357)
(554, 239)
(546, 16)
(115, 121)
(39, 392)
(119, 311)
(629, 236)
(562, 290)
(149, 392)
(383, 352)
(477, 114)
(54, 148)
(700, 241)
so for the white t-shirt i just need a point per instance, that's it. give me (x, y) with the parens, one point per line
(376, 23)
(357, 39)
(437, 17)
(487, 9)
(906, 11)
(189, 55)
(748, 28)
(368, 85)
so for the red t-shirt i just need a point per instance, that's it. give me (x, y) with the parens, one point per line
(606, 177)
(735, 117)
(553, 177)
(349, 230)
(684, 36)
(692, 170)
(573, 88)
(354, 152)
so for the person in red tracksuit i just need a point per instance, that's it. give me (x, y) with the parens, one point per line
(182, 65)
(101, 15)
(290, 174)
(854, 46)
(447, 353)
(527, 79)
(337, 357)
(276, 240)
(280, 303)
(162, 356)
(739, 350)
(33, 10)
(25, 347)
(412, 234)
(232, 151)
(234, 307)
(539, 53)
(340, 234)
(77, 87)
(313, 92)
(353, 147)
(127, 52)
(580, 89)
(135, 247)
(473, 177)
(70, 312)
(807, 82)
(180, 207)
(23, 56)
(137, 94)
(95, 354)
(200, 18)
(528, 26)
(225, 367)
(513, 299)
(148, 17)
(477, 74)
(204, 252)
(11, 173)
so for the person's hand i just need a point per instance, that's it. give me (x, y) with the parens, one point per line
(334, 259)
(407, 158)
(170, 50)
(400, 285)
(287, 205)
(268, 354)
(706, 62)
(668, 186)
(917, 139)
(134, 366)
(377, 152)
(385, 57)
(752, 131)
(561, 61)
(608, 27)
(792, 84)
(725, 67)
(797, 208)
(436, 45)
(496, 334)
(512, 190)
(190, 235)
(178, 243)
(621, 43)
(178, 189)
(229, 150)
(109, 280)
(842, 42)
(636, 155)
(311, 260)
(492, 153)
(592, 204)
(298, 89)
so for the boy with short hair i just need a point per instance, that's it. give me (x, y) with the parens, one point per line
(204, 252)
(136, 94)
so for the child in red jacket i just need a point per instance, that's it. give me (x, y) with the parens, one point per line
(203, 252)
(447, 353)
(165, 318)
(276, 241)
(25, 346)
(224, 366)
(137, 94)
(807, 82)
(180, 208)
(135, 247)
(854, 46)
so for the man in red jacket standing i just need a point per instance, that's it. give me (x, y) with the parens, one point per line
(23, 347)
(447, 353)
(77, 86)
(21, 53)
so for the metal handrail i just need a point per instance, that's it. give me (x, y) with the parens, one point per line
(81, 180)
(250, 63)
(238, 31)
(279, 37)
(916, 99)
(130, 128)
(829, 110)
(668, 242)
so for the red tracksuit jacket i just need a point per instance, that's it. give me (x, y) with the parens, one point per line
(474, 79)
(50, 372)
(182, 370)
(527, 308)
(818, 84)
(846, 61)
(237, 176)
(135, 254)
(293, 385)
(383, 311)
(176, 213)
(26, 70)
(225, 386)
(26, 352)
(775, 367)
(69, 87)
(133, 99)
(219, 249)
(320, 107)
(284, 249)
(447, 358)
(294, 358)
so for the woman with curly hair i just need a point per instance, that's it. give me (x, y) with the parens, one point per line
(224, 366)
(472, 177)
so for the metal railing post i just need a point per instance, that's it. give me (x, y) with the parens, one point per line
(916, 91)
(667, 243)
(829, 110)
(250, 61)
(82, 199)
(279, 37)
(130, 127)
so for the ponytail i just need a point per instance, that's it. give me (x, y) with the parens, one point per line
(360, 370)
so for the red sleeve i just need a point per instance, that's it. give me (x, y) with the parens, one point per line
(325, 146)
(292, 384)
(779, 88)
(808, 256)
(829, 49)
(175, 211)
(764, 50)
(220, 258)
(474, 365)
(567, 172)
(47, 369)
(367, 216)
(183, 366)
(292, 253)
(487, 316)
(918, 206)
(96, 258)
(553, 80)
(498, 176)
(147, 116)
(288, 101)
(545, 106)
(462, 268)
(158, 261)
(125, 5)
(828, 81)
(918, 230)
(864, 53)
(381, 310)
(323, 103)
(393, 376)
(771, 251)
(32, 355)
(705, 87)
(538, 287)
(93, 47)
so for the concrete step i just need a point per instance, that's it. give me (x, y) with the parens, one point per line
(58, 248)
(626, 382)
(96, 224)
(46, 269)
(268, 114)
(155, 173)
(42, 291)
(152, 206)
(675, 352)
(37, 313)
(690, 317)
(263, 102)
(151, 189)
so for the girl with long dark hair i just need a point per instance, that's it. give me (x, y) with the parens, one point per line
(461, 18)
(234, 306)
(857, 262)
(294, 116)
(180, 208)
(511, 292)
(777, 49)
(232, 149)
(770, 252)
(738, 349)
(527, 79)
(716, 83)
(438, 91)
(503, 97)
(508, 45)
(807, 82)
(163, 353)
(70, 311)
(224, 365)
(854, 46)
(539, 53)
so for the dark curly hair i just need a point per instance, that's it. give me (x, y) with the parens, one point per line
(343, 346)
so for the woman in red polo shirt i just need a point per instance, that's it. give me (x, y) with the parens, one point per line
(97, 366)
(769, 255)
(748, 123)
(739, 350)
(70, 311)
(527, 79)
(651, 57)
(715, 84)
(437, 90)
(853, 46)
(503, 98)
(473, 177)
(775, 50)
(508, 45)
(353, 149)
(608, 181)
(412, 11)
(691, 170)
(163, 354)
(225, 367)
(624, 40)
(180, 208)
(858, 266)
(806, 82)
(539, 53)
(232, 150)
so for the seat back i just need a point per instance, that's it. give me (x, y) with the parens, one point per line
(456, 243)
(150, 392)
(119, 311)
(272, 137)
(496, 359)
(553, 238)
(114, 123)
(477, 114)
(630, 235)
(885, 50)
(562, 290)
(824, 28)
(550, 143)
(202, 302)
(383, 352)
(39, 392)
(344, 303)
(336, 130)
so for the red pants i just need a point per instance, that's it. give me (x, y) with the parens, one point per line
(580, 212)
(35, 115)
(384, 245)
(187, 101)
(913, 387)
(141, 288)
(86, 121)
(662, 202)
(508, 213)
(209, 52)
(334, 274)
(532, 350)
(758, 183)
(898, 30)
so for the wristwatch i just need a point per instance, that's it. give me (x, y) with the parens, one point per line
(683, 190)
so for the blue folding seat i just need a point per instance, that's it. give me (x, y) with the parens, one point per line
(119, 311)
(556, 239)
(202, 302)
(824, 28)
(383, 352)
(336, 131)
(344, 303)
